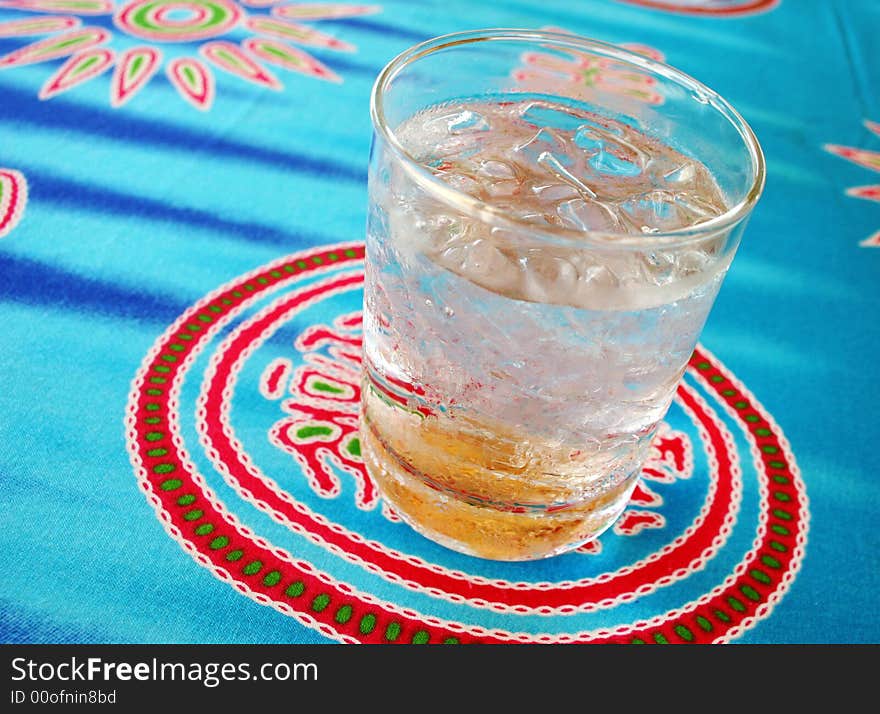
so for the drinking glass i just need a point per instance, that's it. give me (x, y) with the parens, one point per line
(550, 220)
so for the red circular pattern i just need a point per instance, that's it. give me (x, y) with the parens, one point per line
(201, 524)
(737, 7)
(230, 458)
(149, 19)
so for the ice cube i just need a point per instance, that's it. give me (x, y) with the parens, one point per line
(607, 163)
(467, 121)
(499, 179)
(456, 122)
(543, 115)
(462, 182)
(585, 214)
(609, 154)
(656, 209)
(692, 261)
(681, 174)
(481, 261)
(542, 218)
(528, 152)
(698, 208)
(548, 277)
(554, 164)
(554, 192)
(497, 170)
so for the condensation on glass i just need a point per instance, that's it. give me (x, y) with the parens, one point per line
(550, 219)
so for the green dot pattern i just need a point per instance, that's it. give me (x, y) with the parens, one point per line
(684, 633)
(295, 589)
(760, 576)
(367, 624)
(392, 632)
(219, 543)
(252, 568)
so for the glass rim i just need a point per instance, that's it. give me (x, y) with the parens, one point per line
(483, 211)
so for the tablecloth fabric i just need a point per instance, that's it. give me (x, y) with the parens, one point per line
(199, 168)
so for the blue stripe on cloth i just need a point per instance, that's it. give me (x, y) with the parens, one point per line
(70, 116)
(34, 283)
(384, 29)
(82, 197)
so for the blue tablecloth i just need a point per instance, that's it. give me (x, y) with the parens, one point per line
(182, 205)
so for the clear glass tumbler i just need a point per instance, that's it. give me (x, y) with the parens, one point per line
(550, 219)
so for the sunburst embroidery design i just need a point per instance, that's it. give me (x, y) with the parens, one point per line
(239, 38)
(868, 160)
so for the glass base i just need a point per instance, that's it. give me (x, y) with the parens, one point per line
(485, 531)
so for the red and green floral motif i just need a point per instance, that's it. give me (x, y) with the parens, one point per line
(276, 35)
(316, 11)
(869, 160)
(232, 59)
(709, 8)
(74, 7)
(82, 67)
(329, 423)
(193, 81)
(133, 70)
(63, 45)
(289, 58)
(585, 74)
(37, 26)
(154, 19)
(300, 34)
(13, 198)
